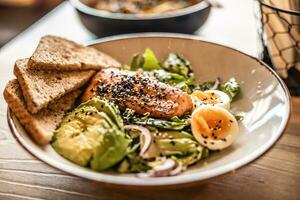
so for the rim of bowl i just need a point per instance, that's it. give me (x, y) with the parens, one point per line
(182, 179)
(120, 16)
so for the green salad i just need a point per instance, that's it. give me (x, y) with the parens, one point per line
(139, 129)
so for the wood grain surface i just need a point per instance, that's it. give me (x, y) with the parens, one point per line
(275, 175)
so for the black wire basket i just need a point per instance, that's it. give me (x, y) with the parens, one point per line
(280, 36)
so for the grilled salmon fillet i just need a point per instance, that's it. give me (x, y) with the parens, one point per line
(138, 92)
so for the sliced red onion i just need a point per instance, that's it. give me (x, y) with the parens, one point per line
(161, 170)
(167, 168)
(147, 136)
(216, 85)
(164, 169)
(176, 171)
(167, 165)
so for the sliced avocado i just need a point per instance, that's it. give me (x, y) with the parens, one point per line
(179, 146)
(105, 106)
(174, 134)
(111, 150)
(79, 134)
(89, 137)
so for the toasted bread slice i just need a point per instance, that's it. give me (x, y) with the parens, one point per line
(42, 124)
(42, 87)
(57, 53)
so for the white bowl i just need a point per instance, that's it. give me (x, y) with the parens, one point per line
(265, 101)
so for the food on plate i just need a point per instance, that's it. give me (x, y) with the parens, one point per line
(42, 124)
(214, 127)
(150, 117)
(57, 53)
(168, 121)
(139, 6)
(42, 87)
(39, 97)
(89, 135)
(211, 97)
(142, 93)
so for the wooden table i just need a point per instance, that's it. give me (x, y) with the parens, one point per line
(275, 175)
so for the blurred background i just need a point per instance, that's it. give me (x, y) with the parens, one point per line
(17, 15)
(267, 29)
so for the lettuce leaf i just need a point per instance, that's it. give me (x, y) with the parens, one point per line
(149, 61)
(177, 64)
(231, 88)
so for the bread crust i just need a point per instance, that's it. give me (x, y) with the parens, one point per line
(43, 87)
(48, 83)
(57, 53)
(41, 125)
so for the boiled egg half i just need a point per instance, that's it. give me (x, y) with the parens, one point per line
(214, 127)
(211, 97)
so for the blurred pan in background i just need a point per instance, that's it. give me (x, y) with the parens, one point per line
(104, 23)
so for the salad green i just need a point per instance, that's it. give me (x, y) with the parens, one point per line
(95, 135)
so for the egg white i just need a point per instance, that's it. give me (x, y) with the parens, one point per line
(222, 99)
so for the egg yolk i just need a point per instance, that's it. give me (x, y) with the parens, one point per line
(213, 124)
(209, 98)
